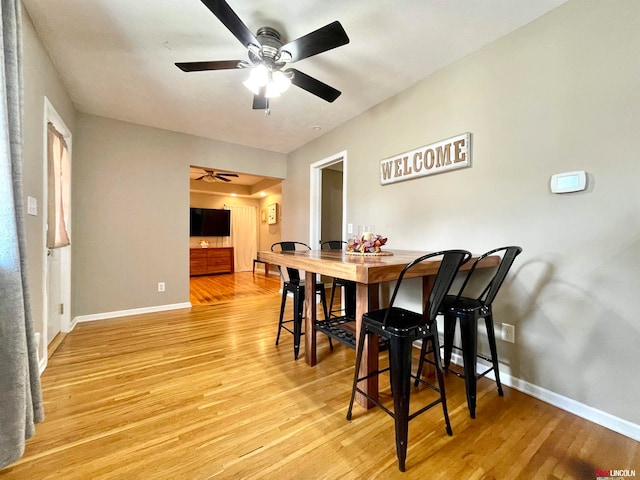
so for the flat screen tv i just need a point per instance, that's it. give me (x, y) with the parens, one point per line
(210, 222)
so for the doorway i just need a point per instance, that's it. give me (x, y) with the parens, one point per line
(328, 215)
(57, 261)
(331, 207)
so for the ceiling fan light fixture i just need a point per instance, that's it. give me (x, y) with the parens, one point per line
(278, 84)
(281, 80)
(251, 85)
(209, 179)
(260, 75)
(271, 91)
(258, 78)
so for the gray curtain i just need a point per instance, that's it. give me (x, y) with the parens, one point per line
(20, 396)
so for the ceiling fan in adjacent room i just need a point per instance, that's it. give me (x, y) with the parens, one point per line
(268, 57)
(211, 176)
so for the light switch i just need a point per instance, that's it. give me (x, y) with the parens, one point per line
(32, 206)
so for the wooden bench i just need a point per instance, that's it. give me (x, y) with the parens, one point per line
(266, 266)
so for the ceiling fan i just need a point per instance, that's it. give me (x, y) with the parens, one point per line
(268, 57)
(211, 176)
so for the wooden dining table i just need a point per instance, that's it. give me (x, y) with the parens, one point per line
(368, 272)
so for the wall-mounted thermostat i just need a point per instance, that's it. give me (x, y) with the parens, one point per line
(569, 182)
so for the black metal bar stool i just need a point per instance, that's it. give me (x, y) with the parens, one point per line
(401, 327)
(294, 285)
(469, 310)
(348, 287)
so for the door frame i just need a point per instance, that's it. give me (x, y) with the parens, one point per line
(315, 195)
(51, 115)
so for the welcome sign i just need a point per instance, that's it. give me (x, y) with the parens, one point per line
(442, 156)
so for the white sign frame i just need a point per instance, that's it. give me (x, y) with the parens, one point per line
(272, 214)
(449, 154)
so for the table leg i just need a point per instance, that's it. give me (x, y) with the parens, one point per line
(350, 300)
(310, 318)
(367, 298)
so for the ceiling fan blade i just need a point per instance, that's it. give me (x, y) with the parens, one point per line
(314, 86)
(222, 178)
(228, 174)
(260, 102)
(216, 65)
(228, 17)
(200, 178)
(325, 38)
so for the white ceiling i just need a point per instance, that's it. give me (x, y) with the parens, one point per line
(116, 58)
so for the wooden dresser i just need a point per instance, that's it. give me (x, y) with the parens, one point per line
(207, 261)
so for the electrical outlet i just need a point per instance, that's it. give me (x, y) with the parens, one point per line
(161, 286)
(508, 333)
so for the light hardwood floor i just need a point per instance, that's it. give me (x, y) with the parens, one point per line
(213, 289)
(203, 393)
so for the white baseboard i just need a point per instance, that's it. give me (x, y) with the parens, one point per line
(42, 361)
(616, 424)
(134, 311)
(42, 365)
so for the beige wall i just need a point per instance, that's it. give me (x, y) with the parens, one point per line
(131, 210)
(560, 94)
(40, 80)
(270, 233)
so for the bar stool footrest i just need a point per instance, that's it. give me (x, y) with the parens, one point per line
(479, 355)
(343, 329)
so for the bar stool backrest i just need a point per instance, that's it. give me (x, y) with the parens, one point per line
(333, 245)
(451, 262)
(491, 289)
(288, 246)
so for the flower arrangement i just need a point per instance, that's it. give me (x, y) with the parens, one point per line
(368, 243)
